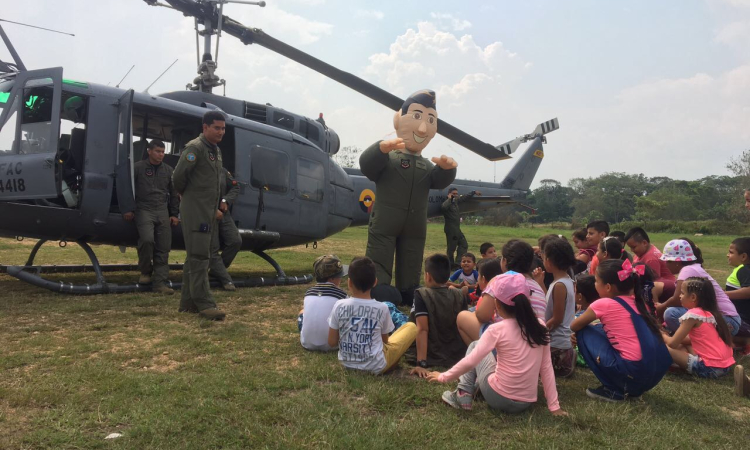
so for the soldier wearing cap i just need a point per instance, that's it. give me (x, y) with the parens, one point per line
(197, 178)
(403, 179)
(319, 301)
(228, 239)
(156, 211)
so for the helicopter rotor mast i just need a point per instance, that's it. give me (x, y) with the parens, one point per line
(207, 12)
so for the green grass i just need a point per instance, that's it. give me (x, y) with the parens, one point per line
(75, 369)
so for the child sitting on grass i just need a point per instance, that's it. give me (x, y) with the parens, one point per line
(685, 260)
(509, 382)
(487, 250)
(643, 251)
(319, 301)
(561, 305)
(702, 344)
(585, 295)
(435, 310)
(488, 269)
(738, 289)
(596, 231)
(359, 325)
(466, 276)
(626, 351)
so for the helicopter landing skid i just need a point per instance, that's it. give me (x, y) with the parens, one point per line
(31, 274)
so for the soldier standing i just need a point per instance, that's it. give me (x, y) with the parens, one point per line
(197, 178)
(156, 210)
(403, 179)
(452, 215)
(228, 239)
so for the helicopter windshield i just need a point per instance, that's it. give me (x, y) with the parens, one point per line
(7, 133)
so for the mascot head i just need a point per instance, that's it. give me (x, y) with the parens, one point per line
(416, 122)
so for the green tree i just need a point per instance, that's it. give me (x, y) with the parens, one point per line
(553, 202)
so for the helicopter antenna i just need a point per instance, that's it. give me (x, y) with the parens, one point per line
(123, 78)
(38, 28)
(162, 74)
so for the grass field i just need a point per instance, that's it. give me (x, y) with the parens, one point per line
(75, 369)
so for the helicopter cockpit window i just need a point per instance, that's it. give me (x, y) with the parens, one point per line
(36, 119)
(269, 169)
(310, 176)
(283, 120)
(8, 131)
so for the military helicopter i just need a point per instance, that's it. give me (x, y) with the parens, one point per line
(67, 150)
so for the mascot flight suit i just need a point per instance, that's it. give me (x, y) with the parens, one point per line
(403, 179)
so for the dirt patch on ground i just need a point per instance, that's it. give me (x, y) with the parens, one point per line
(740, 413)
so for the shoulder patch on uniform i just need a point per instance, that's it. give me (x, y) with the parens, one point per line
(190, 156)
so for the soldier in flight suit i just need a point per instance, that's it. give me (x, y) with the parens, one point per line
(228, 239)
(156, 208)
(403, 178)
(197, 178)
(452, 228)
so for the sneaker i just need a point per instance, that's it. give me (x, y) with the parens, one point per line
(741, 381)
(605, 394)
(144, 279)
(212, 314)
(163, 289)
(229, 287)
(458, 400)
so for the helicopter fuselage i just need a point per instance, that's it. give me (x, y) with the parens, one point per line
(67, 164)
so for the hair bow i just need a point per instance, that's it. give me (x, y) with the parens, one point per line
(628, 269)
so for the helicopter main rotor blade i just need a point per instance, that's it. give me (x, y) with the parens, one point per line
(257, 36)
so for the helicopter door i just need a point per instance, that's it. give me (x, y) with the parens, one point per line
(124, 172)
(29, 131)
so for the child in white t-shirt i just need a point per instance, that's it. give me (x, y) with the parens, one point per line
(359, 325)
(319, 301)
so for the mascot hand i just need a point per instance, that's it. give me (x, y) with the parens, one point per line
(391, 145)
(443, 162)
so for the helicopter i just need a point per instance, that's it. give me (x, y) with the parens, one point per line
(67, 150)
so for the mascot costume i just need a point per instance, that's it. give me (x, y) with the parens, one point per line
(403, 179)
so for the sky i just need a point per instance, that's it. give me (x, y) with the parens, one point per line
(654, 87)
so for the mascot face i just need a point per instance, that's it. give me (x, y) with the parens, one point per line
(416, 127)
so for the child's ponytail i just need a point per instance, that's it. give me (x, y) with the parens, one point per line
(531, 329)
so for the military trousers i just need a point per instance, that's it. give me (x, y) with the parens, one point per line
(154, 244)
(409, 253)
(228, 240)
(196, 292)
(456, 239)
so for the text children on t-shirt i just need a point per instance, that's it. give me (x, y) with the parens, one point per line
(558, 258)
(487, 250)
(626, 350)
(509, 382)
(435, 310)
(710, 340)
(685, 260)
(738, 289)
(359, 325)
(596, 231)
(319, 301)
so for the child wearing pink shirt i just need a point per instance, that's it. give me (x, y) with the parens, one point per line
(708, 352)
(508, 383)
(626, 351)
